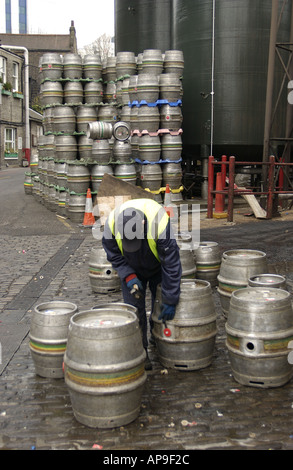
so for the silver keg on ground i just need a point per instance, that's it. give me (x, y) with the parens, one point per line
(184, 241)
(268, 280)
(103, 278)
(48, 336)
(208, 261)
(104, 366)
(237, 266)
(187, 342)
(259, 328)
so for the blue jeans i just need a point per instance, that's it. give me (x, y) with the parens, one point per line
(140, 303)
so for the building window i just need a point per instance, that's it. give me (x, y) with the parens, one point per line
(10, 142)
(15, 76)
(3, 69)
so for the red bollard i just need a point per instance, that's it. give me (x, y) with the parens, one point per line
(219, 211)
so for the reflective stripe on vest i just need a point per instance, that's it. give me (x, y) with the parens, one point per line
(150, 209)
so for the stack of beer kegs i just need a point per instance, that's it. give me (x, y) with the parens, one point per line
(156, 119)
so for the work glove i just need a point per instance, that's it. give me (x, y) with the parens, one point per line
(134, 285)
(167, 312)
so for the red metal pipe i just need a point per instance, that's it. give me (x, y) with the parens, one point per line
(224, 170)
(220, 197)
(231, 188)
(210, 187)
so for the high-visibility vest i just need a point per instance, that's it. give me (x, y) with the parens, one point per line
(150, 209)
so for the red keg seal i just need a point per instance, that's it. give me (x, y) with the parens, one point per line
(167, 332)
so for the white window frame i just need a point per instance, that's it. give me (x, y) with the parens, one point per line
(15, 76)
(3, 68)
(10, 141)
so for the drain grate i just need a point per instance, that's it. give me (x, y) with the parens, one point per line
(34, 288)
(14, 326)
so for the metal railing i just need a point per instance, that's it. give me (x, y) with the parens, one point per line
(229, 189)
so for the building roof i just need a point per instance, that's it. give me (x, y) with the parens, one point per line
(35, 116)
(38, 42)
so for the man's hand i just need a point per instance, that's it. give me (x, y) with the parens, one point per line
(167, 312)
(134, 285)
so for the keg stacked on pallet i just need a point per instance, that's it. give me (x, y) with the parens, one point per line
(122, 158)
(156, 119)
(76, 92)
(71, 96)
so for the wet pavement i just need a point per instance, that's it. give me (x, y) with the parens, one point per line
(181, 411)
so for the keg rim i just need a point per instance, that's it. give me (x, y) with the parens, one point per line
(259, 277)
(230, 253)
(248, 294)
(40, 308)
(76, 319)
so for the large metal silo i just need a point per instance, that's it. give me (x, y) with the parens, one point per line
(236, 74)
(142, 24)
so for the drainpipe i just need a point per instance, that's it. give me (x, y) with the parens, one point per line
(27, 148)
(270, 86)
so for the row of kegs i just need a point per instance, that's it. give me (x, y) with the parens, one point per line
(62, 185)
(72, 120)
(259, 327)
(164, 148)
(167, 88)
(99, 352)
(71, 344)
(256, 304)
(74, 80)
(53, 66)
(156, 142)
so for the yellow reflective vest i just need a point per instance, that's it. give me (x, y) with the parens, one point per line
(150, 209)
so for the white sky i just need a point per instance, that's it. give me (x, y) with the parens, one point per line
(92, 18)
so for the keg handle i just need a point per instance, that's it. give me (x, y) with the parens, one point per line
(167, 331)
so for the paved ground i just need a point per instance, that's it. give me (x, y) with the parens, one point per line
(183, 411)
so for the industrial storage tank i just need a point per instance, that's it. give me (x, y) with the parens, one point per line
(143, 24)
(225, 91)
(240, 33)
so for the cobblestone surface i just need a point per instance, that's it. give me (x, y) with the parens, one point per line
(195, 410)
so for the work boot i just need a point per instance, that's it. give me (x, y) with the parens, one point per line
(147, 364)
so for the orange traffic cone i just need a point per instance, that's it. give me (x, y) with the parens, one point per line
(89, 219)
(219, 199)
(167, 201)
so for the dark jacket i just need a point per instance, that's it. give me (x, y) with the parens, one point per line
(145, 265)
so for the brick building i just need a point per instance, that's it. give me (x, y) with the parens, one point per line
(12, 104)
